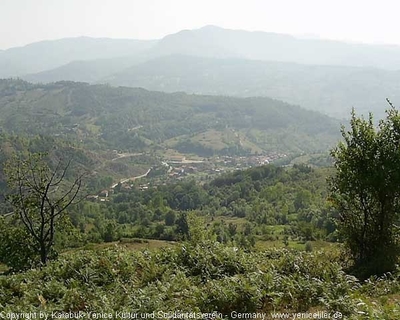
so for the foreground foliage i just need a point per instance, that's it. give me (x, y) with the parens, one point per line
(40, 198)
(366, 189)
(201, 277)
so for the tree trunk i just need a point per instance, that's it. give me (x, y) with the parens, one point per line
(43, 253)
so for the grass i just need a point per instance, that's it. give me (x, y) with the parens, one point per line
(277, 229)
(219, 140)
(305, 159)
(216, 140)
(227, 220)
(316, 245)
(278, 244)
(168, 153)
(247, 144)
(133, 244)
(138, 243)
(3, 268)
(147, 244)
(93, 129)
(301, 159)
(212, 139)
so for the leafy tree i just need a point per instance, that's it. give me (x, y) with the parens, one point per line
(302, 200)
(182, 226)
(110, 233)
(306, 230)
(170, 218)
(40, 197)
(15, 256)
(366, 190)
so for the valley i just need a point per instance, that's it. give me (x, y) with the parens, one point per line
(216, 172)
(92, 121)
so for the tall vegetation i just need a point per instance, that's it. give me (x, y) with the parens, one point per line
(366, 190)
(40, 196)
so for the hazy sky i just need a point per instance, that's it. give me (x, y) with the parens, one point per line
(26, 21)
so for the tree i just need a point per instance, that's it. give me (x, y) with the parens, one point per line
(110, 233)
(40, 197)
(15, 256)
(366, 190)
(182, 226)
(170, 217)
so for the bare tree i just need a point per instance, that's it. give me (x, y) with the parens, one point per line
(40, 196)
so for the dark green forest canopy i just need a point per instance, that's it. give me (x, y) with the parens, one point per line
(247, 203)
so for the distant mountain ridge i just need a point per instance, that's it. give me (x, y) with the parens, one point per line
(46, 55)
(333, 90)
(324, 75)
(209, 41)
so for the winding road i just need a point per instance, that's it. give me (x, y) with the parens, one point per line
(131, 179)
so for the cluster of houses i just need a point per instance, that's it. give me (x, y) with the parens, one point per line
(180, 171)
(101, 196)
(179, 167)
(249, 161)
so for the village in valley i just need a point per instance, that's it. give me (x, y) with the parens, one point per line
(179, 167)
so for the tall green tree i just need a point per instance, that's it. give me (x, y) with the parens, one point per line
(366, 190)
(40, 197)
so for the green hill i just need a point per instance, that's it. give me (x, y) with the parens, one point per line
(103, 117)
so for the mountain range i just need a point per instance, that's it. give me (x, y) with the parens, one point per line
(46, 55)
(327, 76)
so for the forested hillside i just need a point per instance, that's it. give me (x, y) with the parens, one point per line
(100, 116)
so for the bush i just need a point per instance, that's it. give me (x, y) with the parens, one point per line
(308, 246)
(16, 256)
(189, 277)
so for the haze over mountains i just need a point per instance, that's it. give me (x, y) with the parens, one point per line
(333, 90)
(328, 76)
(46, 55)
